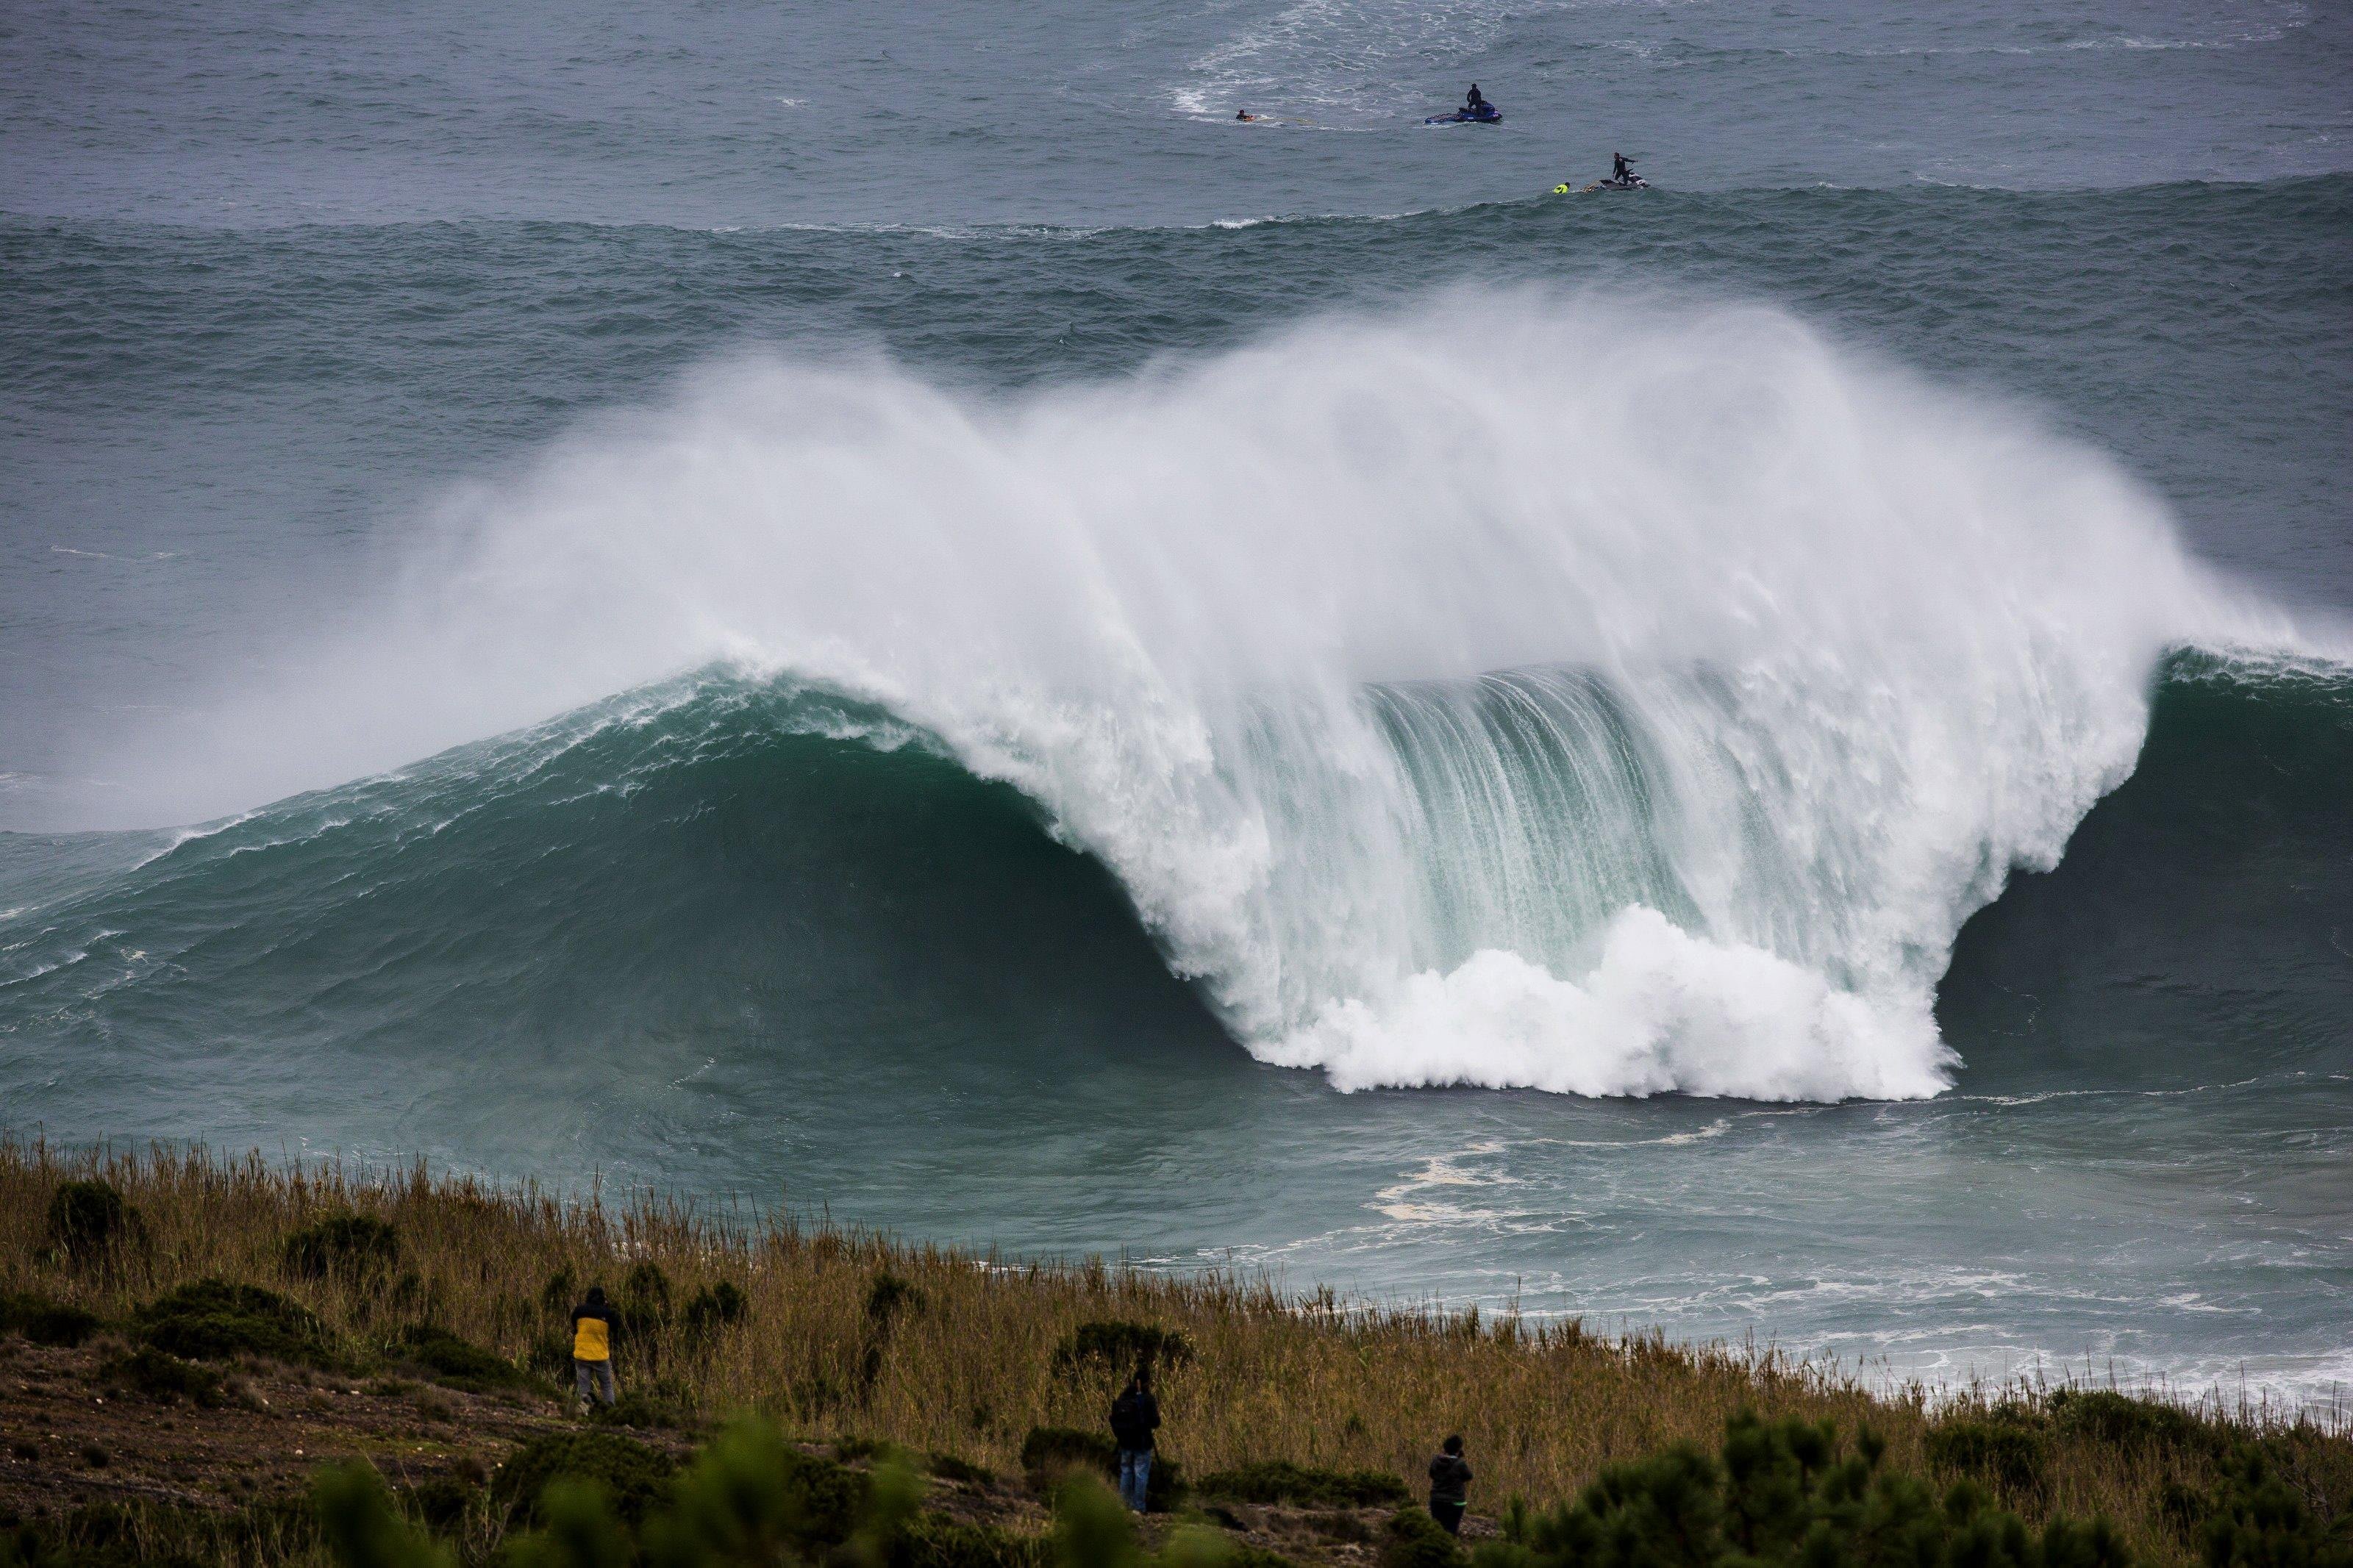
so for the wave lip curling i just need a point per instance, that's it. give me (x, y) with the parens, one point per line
(1510, 689)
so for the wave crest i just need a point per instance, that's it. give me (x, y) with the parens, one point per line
(1606, 696)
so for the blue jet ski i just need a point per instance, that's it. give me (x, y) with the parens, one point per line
(1485, 114)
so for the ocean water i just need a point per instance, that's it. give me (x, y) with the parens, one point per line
(889, 612)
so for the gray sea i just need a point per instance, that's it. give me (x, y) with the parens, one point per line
(887, 610)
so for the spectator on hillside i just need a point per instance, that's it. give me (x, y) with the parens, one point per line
(1450, 1486)
(592, 1348)
(1134, 1416)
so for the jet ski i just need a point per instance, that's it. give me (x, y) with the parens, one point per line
(1485, 114)
(1631, 183)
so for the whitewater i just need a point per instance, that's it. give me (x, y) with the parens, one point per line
(1610, 696)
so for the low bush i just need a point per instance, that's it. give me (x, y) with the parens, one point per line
(633, 1476)
(349, 1246)
(1050, 1453)
(1279, 1482)
(557, 1296)
(752, 1497)
(456, 1361)
(645, 1410)
(551, 1353)
(2006, 1454)
(934, 1543)
(359, 1526)
(644, 1301)
(888, 1297)
(852, 1451)
(88, 1219)
(167, 1378)
(2123, 1421)
(1119, 1347)
(2256, 1520)
(1414, 1539)
(45, 1322)
(175, 1535)
(713, 1307)
(949, 1468)
(1788, 1493)
(441, 1504)
(214, 1320)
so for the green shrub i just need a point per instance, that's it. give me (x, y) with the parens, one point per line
(167, 1378)
(949, 1468)
(87, 1220)
(850, 1450)
(713, 1307)
(2125, 1422)
(440, 1503)
(361, 1527)
(2257, 1519)
(559, 1293)
(1120, 1347)
(633, 1476)
(1050, 1453)
(145, 1535)
(888, 1297)
(213, 1320)
(551, 1353)
(935, 1543)
(1279, 1480)
(45, 1322)
(2008, 1455)
(348, 1246)
(644, 1302)
(456, 1361)
(751, 1497)
(1788, 1495)
(1414, 1539)
(645, 1410)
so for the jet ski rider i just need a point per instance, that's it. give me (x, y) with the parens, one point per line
(1474, 103)
(1620, 170)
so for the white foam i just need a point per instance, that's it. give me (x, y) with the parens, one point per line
(1663, 1011)
(1807, 656)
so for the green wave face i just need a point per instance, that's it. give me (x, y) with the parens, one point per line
(807, 896)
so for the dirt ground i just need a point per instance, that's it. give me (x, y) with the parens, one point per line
(71, 1432)
(74, 1435)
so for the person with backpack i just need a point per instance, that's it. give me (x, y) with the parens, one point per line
(1134, 1416)
(1450, 1486)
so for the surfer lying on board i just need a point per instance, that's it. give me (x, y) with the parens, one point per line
(1244, 114)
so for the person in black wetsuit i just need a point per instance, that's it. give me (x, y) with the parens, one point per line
(1621, 170)
(1473, 102)
(1450, 1486)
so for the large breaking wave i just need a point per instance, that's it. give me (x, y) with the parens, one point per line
(1515, 690)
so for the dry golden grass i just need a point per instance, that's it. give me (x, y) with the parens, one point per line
(968, 1371)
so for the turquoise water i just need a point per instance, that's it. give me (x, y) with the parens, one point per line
(896, 612)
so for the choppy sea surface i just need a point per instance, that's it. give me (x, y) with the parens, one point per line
(889, 610)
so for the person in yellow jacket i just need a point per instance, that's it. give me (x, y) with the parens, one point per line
(592, 1348)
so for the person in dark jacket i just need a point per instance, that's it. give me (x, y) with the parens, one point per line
(1134, 1416)
(592, 1348)
(1450, 1486)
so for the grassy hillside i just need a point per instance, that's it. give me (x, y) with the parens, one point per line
(837, 1337)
